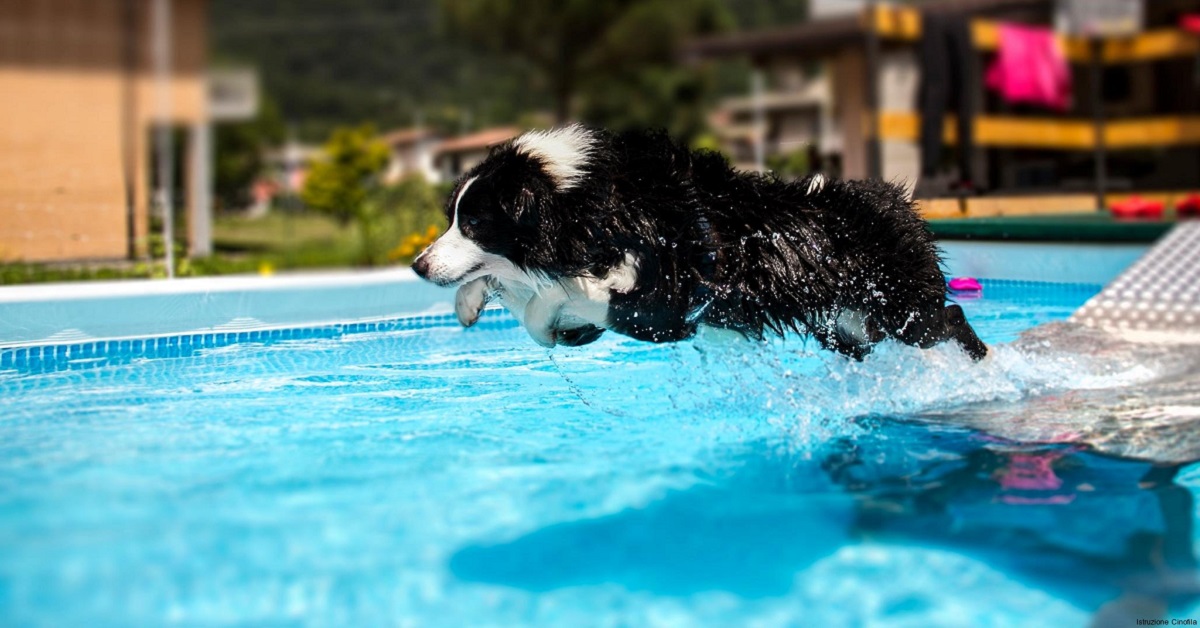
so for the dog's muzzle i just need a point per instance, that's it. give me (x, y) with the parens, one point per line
(424, 270)
(421, 267)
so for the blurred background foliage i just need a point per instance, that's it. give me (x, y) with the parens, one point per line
(239, 156)
(588, 54)
(458, 65)
(345, 183)
(341, 179)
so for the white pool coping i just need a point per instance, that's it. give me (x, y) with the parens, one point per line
(105, 310)
(193, 285)
(80, 311)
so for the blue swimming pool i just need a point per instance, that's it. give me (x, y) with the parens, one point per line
(406, 471)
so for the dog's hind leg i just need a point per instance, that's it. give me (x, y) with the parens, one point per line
(948, 323)
(958, 329)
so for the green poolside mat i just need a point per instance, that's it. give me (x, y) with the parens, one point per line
(1089, 227)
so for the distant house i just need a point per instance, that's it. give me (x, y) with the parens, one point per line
(77, 121)
(795, 116)
(290, 165)
(286, 169)
(457, 155)
(412, 153)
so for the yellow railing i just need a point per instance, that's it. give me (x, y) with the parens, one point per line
(994, 206)
(904, 23)
(1051, 133)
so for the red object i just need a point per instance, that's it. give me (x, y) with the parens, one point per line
(1189, 207)
(1136, 207)
(1190, 23)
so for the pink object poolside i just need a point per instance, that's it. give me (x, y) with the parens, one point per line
(965, 284)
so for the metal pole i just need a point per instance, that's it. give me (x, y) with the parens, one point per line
(129, 126)
(201, 178)
(163, 136)
(1100, 154)
(873, 54)
(760, 121)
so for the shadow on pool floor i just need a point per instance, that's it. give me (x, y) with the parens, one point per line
(1084, 527)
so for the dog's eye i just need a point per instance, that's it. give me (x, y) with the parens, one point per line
(474, 222)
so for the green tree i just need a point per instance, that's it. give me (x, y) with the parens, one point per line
(790, 166)
(327, 63)
(574, 44)
(343, 181)
(639, 81)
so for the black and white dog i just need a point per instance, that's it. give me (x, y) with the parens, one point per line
(579, 230)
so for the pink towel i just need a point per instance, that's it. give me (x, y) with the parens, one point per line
(1031, 68)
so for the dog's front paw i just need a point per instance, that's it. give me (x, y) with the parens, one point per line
(470, 300)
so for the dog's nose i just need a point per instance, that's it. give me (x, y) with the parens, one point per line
(421, 267)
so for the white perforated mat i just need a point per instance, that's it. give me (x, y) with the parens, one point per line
(1157, 299)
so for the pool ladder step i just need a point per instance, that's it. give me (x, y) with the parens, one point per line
(1157, 299)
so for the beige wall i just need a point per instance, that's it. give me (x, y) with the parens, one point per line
(62, 138)
(849, 97)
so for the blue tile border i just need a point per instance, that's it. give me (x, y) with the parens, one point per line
(83, 355)
(1039, 286)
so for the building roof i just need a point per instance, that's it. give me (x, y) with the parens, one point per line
(819, 37)
(815, 93)
(480, 140)
(815, 36)
(407, 136)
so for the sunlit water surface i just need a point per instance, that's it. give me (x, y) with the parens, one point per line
(438, 476)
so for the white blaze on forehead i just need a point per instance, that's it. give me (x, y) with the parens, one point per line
(454, 255)
(564, 152)
(458, 201)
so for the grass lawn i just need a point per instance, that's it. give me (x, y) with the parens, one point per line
(279, 240)
(287, 240)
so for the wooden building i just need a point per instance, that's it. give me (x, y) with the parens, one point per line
(76, 123)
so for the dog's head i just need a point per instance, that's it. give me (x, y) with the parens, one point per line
(498, 210)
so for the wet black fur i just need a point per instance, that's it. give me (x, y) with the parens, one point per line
(786, 260)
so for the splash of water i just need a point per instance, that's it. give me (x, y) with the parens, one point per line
(809, 395)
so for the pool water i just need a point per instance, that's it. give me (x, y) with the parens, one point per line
(411, 472)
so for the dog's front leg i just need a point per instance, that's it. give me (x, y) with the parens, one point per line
(542, 312)
(470, 300)
(571, 312)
